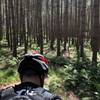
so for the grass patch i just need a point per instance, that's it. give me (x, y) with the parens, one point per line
(56, 83)
(8, 76)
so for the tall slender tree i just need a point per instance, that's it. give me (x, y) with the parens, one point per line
(83, 29)
(40, 33)
(58, 34)
(14, 34)
(52, 34)
(0, 22)
(65, 33)
(95, 38)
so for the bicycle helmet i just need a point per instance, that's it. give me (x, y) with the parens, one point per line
(33, 64)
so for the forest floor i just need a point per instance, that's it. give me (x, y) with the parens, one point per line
(9, 75)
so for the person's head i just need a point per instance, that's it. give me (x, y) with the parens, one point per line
(33, 68)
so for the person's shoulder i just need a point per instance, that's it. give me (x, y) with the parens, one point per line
(56, 98)
(1, 92)
(6, 91)
(47, 94)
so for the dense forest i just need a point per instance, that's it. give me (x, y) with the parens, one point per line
(59, 24)
(25, 21)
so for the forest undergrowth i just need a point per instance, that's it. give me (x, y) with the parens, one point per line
(66, 74)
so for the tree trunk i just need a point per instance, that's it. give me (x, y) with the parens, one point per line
(95, 39)
(14, 34)
(65, 33)
(40, 25)
(0, 22)
(52, 34)
(58, 28)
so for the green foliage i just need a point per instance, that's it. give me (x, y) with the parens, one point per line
(58, 61)
(83, 79)
(66, 74)
(8, 65)
(54, 81)
(8, 75)
(80, 77)
(11, 62)
(54, 85)
(2, 52)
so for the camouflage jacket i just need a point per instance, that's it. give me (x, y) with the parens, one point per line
(27, 91)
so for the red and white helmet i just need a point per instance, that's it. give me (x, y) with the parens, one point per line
(33, 62)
